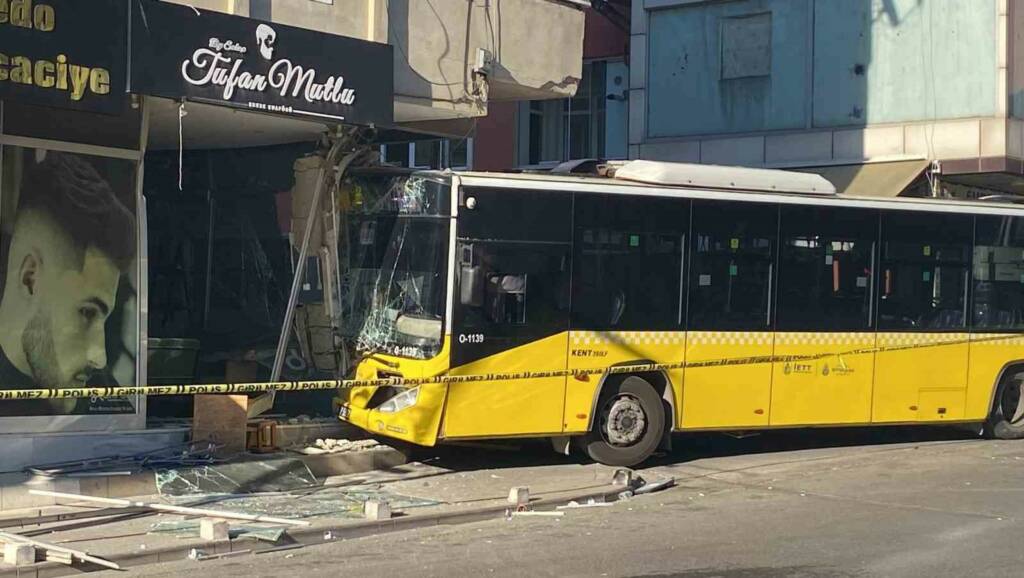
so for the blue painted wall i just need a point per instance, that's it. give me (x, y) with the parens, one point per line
(833, 63)
(685, 92)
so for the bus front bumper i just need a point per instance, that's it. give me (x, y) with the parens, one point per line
(418, 423)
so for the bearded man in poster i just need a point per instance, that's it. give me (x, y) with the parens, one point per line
(72, 239)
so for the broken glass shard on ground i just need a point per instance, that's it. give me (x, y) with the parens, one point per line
(277, 475)
(190, 529)
(326, 503)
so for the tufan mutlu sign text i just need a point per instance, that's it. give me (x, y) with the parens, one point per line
(182, 52)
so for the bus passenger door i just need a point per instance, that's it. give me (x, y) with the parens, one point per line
(824, 340)
(511, 314)
(921, 367)
(729, 343)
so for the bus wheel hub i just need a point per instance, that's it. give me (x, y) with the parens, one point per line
(626, 421)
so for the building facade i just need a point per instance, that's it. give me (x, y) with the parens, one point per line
(877, 95)
(526, 132)
(155, 181)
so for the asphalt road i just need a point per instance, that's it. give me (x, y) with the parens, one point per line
(890, 502)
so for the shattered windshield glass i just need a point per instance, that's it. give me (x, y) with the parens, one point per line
(398, 254)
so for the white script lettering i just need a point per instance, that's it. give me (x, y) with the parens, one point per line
(208, 66)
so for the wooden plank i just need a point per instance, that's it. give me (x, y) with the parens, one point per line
(78, 554)
(221, 419)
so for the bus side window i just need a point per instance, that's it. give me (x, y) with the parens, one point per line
(826, 269)
(523, 284)
(924, 267)
(731, 266)
(998, 274)
(506, 298)
(627, 263)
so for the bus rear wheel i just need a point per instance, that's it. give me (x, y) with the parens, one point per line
(1006, 422)
(629, 424)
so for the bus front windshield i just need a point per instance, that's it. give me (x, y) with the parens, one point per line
(398, 254)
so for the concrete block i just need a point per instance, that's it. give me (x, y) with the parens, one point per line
(675, 152)
(622, 478)
(740, 151)
(211, 529)
(993, 137)
(944, 140)
(1015, 138)
(67, 485)
(376, 510)
(807, 147)
(519, 496)
(221, 419)
(140, 484)
(14, 494)
(99, 486)
(19, 554)
(388, 459)
(867, 143)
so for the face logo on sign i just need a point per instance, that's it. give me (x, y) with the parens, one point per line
(265, 37)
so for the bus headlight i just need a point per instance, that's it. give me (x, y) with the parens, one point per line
(401, 401)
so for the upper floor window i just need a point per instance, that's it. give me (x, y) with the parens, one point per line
(552, 131)
(430, 154)
(747, 46)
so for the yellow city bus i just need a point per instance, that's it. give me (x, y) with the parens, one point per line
(748, 299)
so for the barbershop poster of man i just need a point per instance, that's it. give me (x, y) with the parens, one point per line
(68, 290)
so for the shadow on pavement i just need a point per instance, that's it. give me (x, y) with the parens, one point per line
(695, 446)
(686, 447)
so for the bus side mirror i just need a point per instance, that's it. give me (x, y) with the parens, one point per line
(471, 286)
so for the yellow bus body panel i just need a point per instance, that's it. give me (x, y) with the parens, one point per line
(822, 378)
(732, 380)
(728, 379)
(920, 377)
(530, 406)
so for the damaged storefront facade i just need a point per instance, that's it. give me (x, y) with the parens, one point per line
(155, 185)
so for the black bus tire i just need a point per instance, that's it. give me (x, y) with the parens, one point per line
(628, 445)
(1006, 420)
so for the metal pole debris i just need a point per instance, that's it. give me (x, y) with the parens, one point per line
(173, 509)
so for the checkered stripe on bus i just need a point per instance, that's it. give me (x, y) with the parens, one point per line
(628, 338)
(808, 338)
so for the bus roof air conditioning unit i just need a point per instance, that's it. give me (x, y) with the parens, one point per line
(728, 178)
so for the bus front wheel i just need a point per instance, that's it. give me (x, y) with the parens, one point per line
(629, 424)
(1006, 422)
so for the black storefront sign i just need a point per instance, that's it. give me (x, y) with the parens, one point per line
(64, 53)
(182, 52)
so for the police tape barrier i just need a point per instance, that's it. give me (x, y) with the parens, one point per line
(409, 382)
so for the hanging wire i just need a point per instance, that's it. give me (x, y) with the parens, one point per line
(181, 144)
